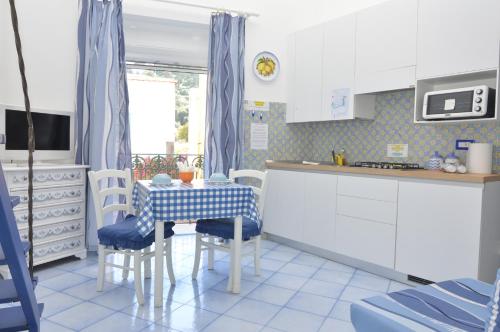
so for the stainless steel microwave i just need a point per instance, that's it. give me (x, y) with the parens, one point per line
(471, 102)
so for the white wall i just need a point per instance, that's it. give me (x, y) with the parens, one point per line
(48, 35)
(3, 42)
(49, 30)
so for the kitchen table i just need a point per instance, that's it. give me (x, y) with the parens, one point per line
(192, 201)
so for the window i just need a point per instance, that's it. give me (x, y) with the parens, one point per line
(167, 117)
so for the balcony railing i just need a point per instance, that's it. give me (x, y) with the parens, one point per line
(145, 166)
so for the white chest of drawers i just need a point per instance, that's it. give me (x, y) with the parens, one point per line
(59, 204)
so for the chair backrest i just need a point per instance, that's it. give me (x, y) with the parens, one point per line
(100, 192)
(260, 192)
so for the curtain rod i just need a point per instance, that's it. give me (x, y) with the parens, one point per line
(187, 4)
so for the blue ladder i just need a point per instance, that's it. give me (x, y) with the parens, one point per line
(20, 288)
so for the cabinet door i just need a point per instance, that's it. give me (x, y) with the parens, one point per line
(284, 208)
(438, 230)
(366, 240)
(308, 68)
(320, 206)
(456, 36)
(290, 98)
(338, 69)
(386, 46)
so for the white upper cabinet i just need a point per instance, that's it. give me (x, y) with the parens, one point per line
(338, 69)
(386, 46)
(457, 36)
(307, 73)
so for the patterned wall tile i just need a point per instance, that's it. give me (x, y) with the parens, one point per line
(365, 139)
(286, 142)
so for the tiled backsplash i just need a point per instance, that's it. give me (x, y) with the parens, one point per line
(365, 139)
(288, 142)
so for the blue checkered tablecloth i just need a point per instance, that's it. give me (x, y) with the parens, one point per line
(199, 200)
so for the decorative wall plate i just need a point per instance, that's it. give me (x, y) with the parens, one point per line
(266, 66)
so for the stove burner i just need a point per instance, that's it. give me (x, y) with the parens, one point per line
(386, 165)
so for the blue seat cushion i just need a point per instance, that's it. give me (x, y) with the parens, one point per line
(124, 235)
(224, 228)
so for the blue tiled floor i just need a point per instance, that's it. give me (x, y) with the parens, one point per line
(295, 292)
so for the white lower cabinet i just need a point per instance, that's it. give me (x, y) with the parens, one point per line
(366, 240)
(307, 207)
(439, 225)
(301, 207)
(284, 210)
(366, 219)
(368, 187)
(435, 230)
(320, 206)
(381, 211)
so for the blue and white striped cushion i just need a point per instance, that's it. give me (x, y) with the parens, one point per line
(493, 322)
(448, 306)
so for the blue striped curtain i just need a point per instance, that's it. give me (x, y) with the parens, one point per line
(102, 120)
(224, 126)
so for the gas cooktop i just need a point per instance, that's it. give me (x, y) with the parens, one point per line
(386, 165)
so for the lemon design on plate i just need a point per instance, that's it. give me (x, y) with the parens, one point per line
(266, 66)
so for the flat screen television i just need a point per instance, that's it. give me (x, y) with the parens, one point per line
(53, 134)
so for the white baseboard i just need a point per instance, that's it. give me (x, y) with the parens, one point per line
(359, 264)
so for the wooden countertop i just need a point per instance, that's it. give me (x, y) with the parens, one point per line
(416, 174)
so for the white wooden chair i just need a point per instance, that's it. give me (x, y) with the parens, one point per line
(208, 231)
(122, 237)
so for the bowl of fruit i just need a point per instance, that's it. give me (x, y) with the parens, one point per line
(266, 66)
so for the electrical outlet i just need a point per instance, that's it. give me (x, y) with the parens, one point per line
(463, 144)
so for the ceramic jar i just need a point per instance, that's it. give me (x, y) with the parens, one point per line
(435, 161)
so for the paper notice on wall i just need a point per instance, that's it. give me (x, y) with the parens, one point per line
(258, 136)
(257, 106)
(339, 102)
(397, 150)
